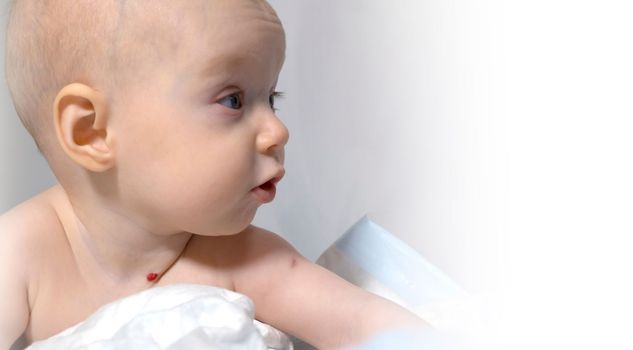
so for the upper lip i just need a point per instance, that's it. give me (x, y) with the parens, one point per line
(276, 177)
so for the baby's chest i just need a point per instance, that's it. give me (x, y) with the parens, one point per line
(66, 299)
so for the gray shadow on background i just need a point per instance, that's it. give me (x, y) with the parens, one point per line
(23, 171)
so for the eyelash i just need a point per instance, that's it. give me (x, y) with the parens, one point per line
(275, 95)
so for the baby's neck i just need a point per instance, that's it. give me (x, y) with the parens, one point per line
(109, 248)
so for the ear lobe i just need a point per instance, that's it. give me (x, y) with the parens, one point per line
(80, 125)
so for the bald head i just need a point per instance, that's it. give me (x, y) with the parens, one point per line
(50, 44)
(100, 43)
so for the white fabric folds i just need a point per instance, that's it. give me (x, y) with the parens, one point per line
(182, 316)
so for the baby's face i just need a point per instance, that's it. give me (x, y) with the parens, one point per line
(194, 139)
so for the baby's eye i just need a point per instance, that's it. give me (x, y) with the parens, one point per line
(233, 101)
(273, 96)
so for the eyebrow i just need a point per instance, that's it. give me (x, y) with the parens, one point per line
(222, 64)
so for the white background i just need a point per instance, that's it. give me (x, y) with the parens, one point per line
(493, 136)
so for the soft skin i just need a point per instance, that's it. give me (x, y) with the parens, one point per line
(158, 177)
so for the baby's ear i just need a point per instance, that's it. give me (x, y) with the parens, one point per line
(81, 120)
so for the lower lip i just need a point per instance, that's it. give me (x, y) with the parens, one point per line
(265, 193)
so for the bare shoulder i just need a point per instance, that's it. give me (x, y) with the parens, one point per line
(253, 248)
(24, 235)
(260, 241)
(261, 247)
(28, 233)
(20, 245)
(252, 255)
(23, 227)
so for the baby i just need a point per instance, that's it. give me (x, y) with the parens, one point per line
(157, 118)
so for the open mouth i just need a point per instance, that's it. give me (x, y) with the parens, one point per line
(265, 192)
(268, 186)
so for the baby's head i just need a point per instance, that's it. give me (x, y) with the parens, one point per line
(160, 109)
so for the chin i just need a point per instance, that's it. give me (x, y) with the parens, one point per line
(241, 228)
(226, 229)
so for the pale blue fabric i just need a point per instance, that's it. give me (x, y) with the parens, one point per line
(412, 340)
(394, 264)
(373, 258)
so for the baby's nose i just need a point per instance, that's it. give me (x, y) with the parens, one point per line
(272, 137)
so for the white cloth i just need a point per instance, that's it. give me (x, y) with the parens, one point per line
(182, 316)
